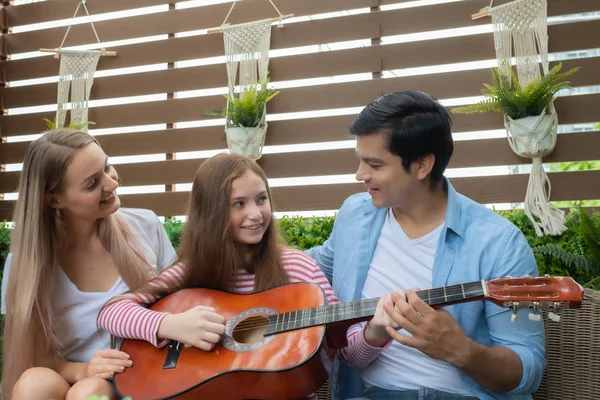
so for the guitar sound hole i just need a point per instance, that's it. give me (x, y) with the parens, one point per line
(251, 329)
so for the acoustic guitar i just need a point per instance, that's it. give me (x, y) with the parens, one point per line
(271, 348)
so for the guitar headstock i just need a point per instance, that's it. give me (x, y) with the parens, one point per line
(536, 293)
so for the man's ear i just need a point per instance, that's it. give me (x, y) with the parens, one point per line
(51, 200)
(425, 166)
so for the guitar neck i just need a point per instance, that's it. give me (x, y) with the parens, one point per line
(365, 309)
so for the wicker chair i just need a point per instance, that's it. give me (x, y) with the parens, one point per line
(572, 352)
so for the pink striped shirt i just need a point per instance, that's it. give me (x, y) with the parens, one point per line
(127, 316)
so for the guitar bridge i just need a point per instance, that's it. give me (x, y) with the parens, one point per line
(172, 355)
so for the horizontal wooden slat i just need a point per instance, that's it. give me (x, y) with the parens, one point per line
(579, 185)
(33, 13)
(473, 153)
(353, 94)
(582, 146)
(366, 59)
(173, 21)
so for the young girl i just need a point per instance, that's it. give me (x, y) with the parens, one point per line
(72, 249)
(229, 243)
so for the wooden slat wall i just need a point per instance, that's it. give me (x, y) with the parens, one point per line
(352, 61)
(371, 59)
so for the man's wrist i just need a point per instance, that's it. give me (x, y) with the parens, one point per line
(466, 353)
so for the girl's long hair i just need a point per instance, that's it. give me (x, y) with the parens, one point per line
(207, 248)
(37, 240)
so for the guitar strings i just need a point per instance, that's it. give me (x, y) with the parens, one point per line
(430, 295)
(341, 308)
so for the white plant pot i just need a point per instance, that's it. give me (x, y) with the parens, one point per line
(246, 141)
(533, 136)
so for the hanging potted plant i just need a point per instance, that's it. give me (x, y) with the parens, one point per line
(245, 113)
(529, 114)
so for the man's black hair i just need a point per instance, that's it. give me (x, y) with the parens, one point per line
(416, 124)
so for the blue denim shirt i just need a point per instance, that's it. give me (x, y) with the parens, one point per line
(475, 244)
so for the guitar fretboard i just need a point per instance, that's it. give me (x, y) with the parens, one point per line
(363, 309)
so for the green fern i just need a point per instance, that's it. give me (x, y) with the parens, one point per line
(51, 125)
(246, 109)
(583, 256)
(591, 236)
(593, 284)
(569, 259)
(517, 101)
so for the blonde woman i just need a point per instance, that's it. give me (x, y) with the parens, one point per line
(72, 249)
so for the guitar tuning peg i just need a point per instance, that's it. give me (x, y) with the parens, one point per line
(555, 306)
(514, 306)
(553, 317)
(535, 316)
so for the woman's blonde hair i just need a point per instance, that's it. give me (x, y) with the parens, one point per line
(37, 240)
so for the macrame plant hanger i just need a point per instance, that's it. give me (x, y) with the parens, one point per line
(247, 49)
(76, 72)
(521, 27)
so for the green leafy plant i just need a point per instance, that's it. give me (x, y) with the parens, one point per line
(246, 108)
(173, 227)
(585, 256)
(304, 234)
(516, 101)
(51, 124)
(5, 232)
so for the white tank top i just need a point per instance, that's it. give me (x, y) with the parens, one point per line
(75, 312)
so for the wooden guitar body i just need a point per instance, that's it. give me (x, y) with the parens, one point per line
(245, 364)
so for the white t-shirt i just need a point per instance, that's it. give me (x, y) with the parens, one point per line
(75, 312)
(400, 262)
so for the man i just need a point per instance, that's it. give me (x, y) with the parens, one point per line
(413, 230)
